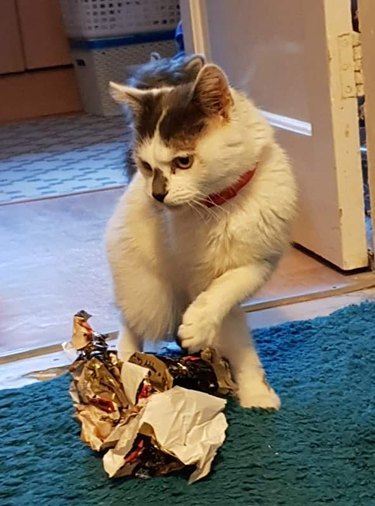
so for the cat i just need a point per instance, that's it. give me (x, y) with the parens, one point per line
(157, 73)
(202, 224)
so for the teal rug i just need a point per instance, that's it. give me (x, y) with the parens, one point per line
(318, 450)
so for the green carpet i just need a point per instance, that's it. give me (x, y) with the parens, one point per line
(319, 449)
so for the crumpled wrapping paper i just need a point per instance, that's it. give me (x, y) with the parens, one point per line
(151, 414)
(185, 424)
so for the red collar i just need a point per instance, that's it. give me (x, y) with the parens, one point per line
(217, 199)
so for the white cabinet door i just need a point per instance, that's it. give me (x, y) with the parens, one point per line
(294, 58)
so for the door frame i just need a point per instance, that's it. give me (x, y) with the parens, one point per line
(194, 14)
(338, 118)
(366, 9)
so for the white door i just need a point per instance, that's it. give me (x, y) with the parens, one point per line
(295, 59)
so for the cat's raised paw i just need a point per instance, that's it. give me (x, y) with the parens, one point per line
(197, 330)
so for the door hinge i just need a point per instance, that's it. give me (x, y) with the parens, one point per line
(350, 60)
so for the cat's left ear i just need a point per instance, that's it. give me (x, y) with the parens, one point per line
(128, 96)
(212, 91)
(194, 64)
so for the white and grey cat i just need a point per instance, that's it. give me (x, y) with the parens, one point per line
(203, 223)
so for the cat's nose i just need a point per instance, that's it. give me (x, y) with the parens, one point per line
(159, 185)
(159, 196)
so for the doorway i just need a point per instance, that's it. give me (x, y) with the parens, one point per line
(298, 60)
(54, 262)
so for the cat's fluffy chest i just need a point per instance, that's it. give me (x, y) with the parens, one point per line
(199, 247)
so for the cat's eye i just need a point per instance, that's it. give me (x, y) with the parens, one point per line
(183, 162)
(146, 166)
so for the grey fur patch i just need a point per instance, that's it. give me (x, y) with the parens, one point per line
(184, 119)
(159, 72)
(149, 116)
(145, 122)
(130, 165)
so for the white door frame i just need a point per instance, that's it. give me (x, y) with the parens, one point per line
(366, 26)
(195, 26)
(336, 143)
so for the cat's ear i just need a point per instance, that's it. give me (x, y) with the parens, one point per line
(128, 96)
(194, 64)
(212, 92)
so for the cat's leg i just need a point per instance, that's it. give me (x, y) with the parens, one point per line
(146, 303)
(128, 342)
(139, 265)
(203, 318)
(235, 343)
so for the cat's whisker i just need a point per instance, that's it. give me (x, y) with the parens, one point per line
(194, 208)
(196, 204)
(215, 209)
(215, 206)
(211, 212)
(219, 208)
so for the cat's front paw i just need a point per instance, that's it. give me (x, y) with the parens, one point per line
(258, 395)
(198, 329)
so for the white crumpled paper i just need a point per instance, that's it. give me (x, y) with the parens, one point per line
(132, 376)
(187, 424)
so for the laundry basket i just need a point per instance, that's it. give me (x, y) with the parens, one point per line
(102, 60)
(107, 18)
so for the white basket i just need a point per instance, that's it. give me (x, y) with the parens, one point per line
(96, 67)
(104, 18)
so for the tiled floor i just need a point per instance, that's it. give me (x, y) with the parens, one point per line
(57, 156)
(53, 265)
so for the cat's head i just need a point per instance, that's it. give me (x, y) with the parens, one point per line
(191, 140)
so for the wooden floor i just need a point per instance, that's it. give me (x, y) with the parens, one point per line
(52, 263)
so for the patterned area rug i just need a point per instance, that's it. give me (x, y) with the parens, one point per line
(318, 450)
(58, 156)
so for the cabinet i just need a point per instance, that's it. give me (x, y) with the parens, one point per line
(44, 40)
(11, 53)
(36, 74)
